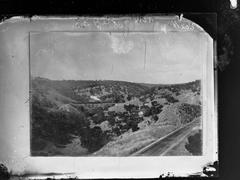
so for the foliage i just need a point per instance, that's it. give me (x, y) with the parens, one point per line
(188, 112)
(59, 128)
(194, 144)
(4, 173)
(94, 138)
(170, 98)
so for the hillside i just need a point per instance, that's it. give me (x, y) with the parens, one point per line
(84, 91)
(98, 117)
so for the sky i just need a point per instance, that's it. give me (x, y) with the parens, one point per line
(172, 57)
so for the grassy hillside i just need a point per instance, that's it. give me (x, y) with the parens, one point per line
(80, 91)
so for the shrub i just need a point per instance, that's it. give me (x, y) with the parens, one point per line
(154, 103)
(116, 131)
(4, 173)
(171, 99)
(98, 117)
(94, 139)
(55, 126)
(155, 110)
(134, 127)
(194, 144)
(155, 117)
(129, 98)
(146, 111)
(188, 112)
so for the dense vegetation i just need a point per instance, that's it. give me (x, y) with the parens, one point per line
(194, 144)
(189, 111)
(59, 127)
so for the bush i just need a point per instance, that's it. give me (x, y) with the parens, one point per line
(154, 103)
(147, 111)
(194, 144)
(188, 112)
(155, 110)
(55, 126)
(135, 127)
(94, 138)
(98, 117)
(4, 173)
(116, 131)
(171, 99)
(155, 117)
(129, 98)
(130, 107)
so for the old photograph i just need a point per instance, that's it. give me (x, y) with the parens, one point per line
(108, 97)
(116, 94)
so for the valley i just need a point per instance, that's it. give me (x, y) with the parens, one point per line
(107, 118)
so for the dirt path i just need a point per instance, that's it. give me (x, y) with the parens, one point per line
(164, 144)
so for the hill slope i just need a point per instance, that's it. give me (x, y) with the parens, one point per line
(82, 117)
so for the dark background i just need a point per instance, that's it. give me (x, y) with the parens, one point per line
(215, 16)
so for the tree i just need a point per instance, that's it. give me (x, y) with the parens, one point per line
(135, 127)
(155, 117)
(129, 98)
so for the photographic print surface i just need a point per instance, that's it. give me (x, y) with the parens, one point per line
(116, 94)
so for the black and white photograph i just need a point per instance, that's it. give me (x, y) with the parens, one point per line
(116, 93)
(107, 97)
